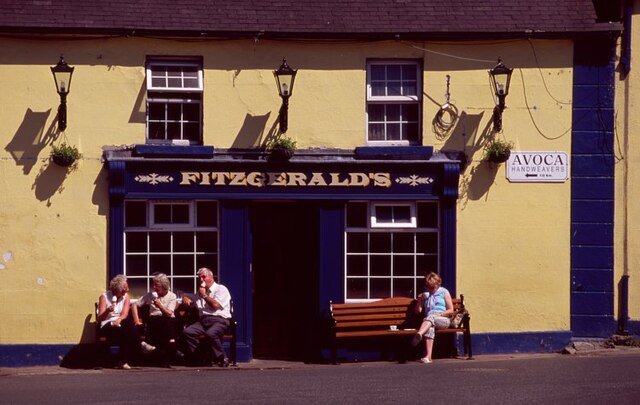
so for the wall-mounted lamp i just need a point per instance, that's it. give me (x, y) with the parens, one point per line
(285, 76)
(62, 75)
(500, 77)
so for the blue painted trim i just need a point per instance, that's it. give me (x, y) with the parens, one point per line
(526, 342)
(192, 151)
(116, 218)
(32, 355)
(234, 266)
(394, 152)
(592, 189)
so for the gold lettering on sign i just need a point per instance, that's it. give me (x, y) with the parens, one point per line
(286, 179)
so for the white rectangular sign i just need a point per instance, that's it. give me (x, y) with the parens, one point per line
(539, 167)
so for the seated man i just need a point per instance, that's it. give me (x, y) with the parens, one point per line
(160, 326)
(213, 302)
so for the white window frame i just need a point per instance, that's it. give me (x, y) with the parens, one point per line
(163, 95)
(413, 223)
(154, 225)
(398, 99)
(162, 63)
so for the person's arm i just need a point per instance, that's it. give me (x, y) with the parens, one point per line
(419, 304)
(449, 303)
(125, 311)
(104, 309)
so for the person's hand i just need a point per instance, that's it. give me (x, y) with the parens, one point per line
(202, 292)
(138, 322)
(186, 300)
(116, 322)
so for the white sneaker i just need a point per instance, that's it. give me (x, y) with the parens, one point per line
(146, 347)
(124, 366)
(426, 360)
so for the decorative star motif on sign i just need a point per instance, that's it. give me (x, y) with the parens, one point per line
(414, 180)
(153, 179)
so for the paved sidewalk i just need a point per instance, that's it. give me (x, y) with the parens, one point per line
(583, 348)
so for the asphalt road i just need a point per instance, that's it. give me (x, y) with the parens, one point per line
(547, 379)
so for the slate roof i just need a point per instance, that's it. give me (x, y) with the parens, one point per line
(306, 18)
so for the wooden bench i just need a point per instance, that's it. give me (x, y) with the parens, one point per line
(374, 319)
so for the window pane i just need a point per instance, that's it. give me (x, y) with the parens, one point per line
(384, 213)
(427, 242)
(160, 242)
(183, 264)
(191, 132)
(162, 214)
(376, 132)
(403, 287)
(136, 213)
(356, 265)
(183, 286)
(393, 72)
(158, 81)
(403, 242)
(180, 214)
(191, 112)
(409, 72)
(156, 111)
(357, 216)
(381, 265)
(394, 88)
(378, 89)
(174, 111)
(393, 112)
(137, 287)
(393, 132)
(357, 288)
(377, 72)
(402, 214)
(409, 88)
(207, 213)
(136, 242)
(136, 265)
(209, 261)
(427, 264)
(380, 242)
(156, 130)
(427, 215)
(357, 242)
(191, 83)
(403, 265)
(410, 112)
(380, 288)
(174, 130)
(160, 263)
(183, 242)
(410, 132)
(207, 242)
(376, 112)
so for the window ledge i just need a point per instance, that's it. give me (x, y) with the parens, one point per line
(394, 152)
(191, 151)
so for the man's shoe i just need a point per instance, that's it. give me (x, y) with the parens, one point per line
(224, 363)
(147, 348)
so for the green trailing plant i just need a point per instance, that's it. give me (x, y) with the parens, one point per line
(281, 148)
(498, 151)
(64, 154)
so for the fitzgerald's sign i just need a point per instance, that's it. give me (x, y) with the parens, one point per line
(287, 181)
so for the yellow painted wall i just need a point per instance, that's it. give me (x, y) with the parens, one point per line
(513, 239)
(627, 152)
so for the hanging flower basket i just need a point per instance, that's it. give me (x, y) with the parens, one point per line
(498, 151)
(281, 149)
(65, 155)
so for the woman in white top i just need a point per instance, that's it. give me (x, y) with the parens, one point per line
(113, 315)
